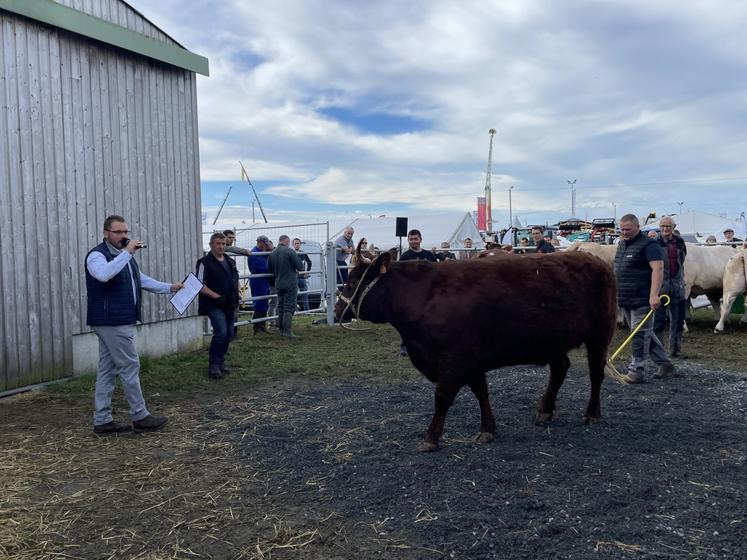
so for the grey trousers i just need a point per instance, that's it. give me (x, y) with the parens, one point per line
(645, 343)
(117, 356)
(287, 300)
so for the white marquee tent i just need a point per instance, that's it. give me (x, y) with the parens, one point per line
(701, 225)
(452, 227)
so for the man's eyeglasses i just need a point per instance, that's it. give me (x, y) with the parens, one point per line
(119, 231)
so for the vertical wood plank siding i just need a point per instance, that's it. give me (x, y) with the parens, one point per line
(86, 130)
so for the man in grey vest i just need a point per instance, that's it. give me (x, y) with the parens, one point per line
(639, 268)
(285, 265)
(113, 285)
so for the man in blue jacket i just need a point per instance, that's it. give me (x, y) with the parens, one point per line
(113, 285)
(260, 286)
(219, 298)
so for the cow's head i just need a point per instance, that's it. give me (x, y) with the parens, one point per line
(359, 278)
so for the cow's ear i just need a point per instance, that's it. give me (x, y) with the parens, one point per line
(384, 262)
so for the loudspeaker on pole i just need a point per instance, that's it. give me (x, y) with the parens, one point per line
(401, 227)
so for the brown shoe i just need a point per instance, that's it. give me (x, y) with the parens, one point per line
(664, 371)
(633, 378)
(111, 428)
(149, 424)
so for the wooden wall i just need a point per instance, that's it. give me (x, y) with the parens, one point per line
(85, 131)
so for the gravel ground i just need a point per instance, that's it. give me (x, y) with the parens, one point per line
(327, 469)
(662, 475)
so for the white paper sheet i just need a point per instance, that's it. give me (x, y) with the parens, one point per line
(187, 294)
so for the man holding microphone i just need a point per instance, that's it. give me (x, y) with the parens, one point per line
(114, 284)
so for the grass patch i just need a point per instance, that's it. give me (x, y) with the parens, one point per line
(321, 351)
(324, 351)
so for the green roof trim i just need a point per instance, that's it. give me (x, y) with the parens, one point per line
(69, 19)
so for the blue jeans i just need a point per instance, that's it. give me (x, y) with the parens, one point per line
(342, 272)
(676, 311)
(303, 285)
(117, 357)
(222, 322)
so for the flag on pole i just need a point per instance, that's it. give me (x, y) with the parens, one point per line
(243, 175)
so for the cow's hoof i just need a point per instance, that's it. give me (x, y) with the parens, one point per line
(718, 331)
(484, 437)
(542, 418)
(427, 446)
(592, 420)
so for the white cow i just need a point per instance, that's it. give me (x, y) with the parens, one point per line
(604, 252)
(704, 268)
(704, 272)
(735, 283)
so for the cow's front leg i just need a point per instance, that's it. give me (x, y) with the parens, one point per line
(445, 394)
(479, 387)
(558, 369)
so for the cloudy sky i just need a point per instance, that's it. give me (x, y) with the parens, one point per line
(349, 107)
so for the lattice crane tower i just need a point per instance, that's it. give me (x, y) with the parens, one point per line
(488, 193)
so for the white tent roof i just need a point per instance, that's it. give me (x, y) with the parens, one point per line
(453, 227)
(702, 224)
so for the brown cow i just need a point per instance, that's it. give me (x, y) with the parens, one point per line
(460, 319)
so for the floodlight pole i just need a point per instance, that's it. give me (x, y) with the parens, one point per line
(510, 208)
(572, 184)
(680, 205)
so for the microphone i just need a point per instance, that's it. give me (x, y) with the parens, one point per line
(126, 242)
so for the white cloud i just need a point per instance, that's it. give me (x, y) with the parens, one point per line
(615, 93)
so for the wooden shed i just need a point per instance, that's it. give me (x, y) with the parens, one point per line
(99, 117)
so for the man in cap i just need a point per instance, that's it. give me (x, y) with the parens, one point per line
(673, 285)
(260, 286)
(729, 237)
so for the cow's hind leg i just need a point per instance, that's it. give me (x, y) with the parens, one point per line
(445, 394)
(597, 358)
(479, 386)
(558, 369)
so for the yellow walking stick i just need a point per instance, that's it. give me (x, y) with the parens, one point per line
(611, 371)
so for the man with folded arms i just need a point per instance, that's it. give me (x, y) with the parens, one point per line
(218, 299)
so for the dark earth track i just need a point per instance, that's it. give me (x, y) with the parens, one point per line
(662, 475)
(310, 468)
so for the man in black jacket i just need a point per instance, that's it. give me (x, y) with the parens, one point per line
(303, 277)
(539, 242)
(415, 252)
(218, 299)
(673, 284)
(639, 269)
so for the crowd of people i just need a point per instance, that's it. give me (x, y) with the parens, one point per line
(646, 267)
